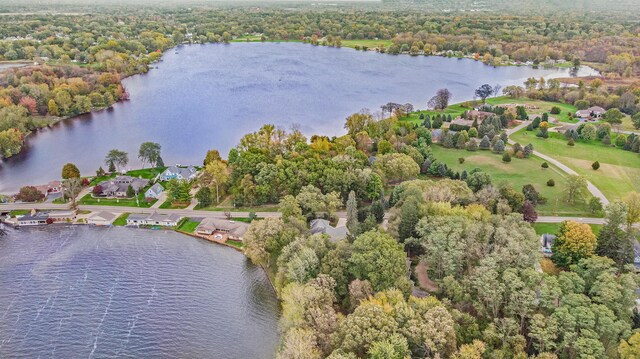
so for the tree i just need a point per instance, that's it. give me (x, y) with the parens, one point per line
(506, 157)
(633, 203)
(576, 188)
(378, 258)
(116, 158)
(212, 155)
(396, 167)
(149, 152)
(358, 122)
(613, 242)
(636, 121)
(216, 173)
(394, 347)
(29, 194)
(484, 91)
(478, 180)
(441, 100)
(70, 170)
(630, 349)
(130, 192)
(613, 116)
(352, 214)
(72, 188)
(595, 165)
(204, 197)
(529, 213)
(531, 194)
(97, 190)
(574, 242)
(52, 108)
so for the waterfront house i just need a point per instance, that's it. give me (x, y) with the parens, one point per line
(117, 187)
(154, 219)
(62, 216)
(179, 173)
(102, 218)
(222, 227)
(323, 226)
(36, 218)
(591, 112)
(154, 191)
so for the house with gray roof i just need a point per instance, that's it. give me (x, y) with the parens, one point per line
(153, 219)
(232, 229)
(323, 226)
(117, 187)
(154, 191)
(180, 173)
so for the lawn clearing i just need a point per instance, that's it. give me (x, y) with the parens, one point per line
(121, 220)
(188, 226)
(174, 205)
(517, 173)
(237, 244)
(619, 171)
(124, 202)
(552, 228)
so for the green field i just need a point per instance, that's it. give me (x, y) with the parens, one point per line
(619, 171)
(457, 109)
(517, 173)
(147, 173)
(121, 220)
(125, 202)
(552, 228)
(188, 226)
(368, 43)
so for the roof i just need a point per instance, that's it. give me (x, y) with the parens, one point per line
(156, 188)
(214, 224)
(40, 216)
(106, 216)
(323, 226)
(596, 109)
(155, 216)
(186, 172)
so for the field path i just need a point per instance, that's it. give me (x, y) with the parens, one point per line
(590, 186)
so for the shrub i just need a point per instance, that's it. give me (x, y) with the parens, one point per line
(506, 157)
(551, 183)
(571, 142)
(545, 165)
(461, 160)
(555, 110)
(595, 165)
(621, 140)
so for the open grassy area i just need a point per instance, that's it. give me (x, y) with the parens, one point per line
(125, 202)
(174, 205)
(619, 171)
(121, 220)
(518, 173)
(236, 244)
(552, 228)
(457, 109)
(147, 173)
(188, 226)
(19, 212)
(371, 44)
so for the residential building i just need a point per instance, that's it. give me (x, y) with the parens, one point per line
(62, 216)
(154, 219)
(154, 191)
(117, 187)
(222, 227)
(36, 218)
(546, 244)
(179, 173)
(323, 226)
(591, 112)
(102, 218)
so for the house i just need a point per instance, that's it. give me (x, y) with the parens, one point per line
(546, 244)
(102, 218)
(117, 187)
(154, 219)
(323, 226)
(591, 112)
(154, 191)
(462, 122)
(36, 218)
(179, 173)
(62, 216)
(480, 115)
(222, 227)
(51, 187)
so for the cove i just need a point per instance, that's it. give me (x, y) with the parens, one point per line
(86, 292)
(204, 97)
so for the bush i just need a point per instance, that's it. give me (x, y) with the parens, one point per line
(461, 160)
(555, 110)
(506, 157)
(551, 183)
(545, 165)
(595, 165)
(571, 142)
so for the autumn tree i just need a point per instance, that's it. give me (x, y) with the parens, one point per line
(574, 242)
(441, 100)
(70, 170)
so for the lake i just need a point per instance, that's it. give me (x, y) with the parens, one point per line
(205, 97)
(86, 292)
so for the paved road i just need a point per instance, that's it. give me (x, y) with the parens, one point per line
(590, 186)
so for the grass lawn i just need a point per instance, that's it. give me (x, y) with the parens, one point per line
(518, 173)
(122, 220)
(236, 244)
(188, 226)
(619, 171)
(552, 228)
(124, 202)
(147, 173)
(19, 212)
(174, 205)
(371, 44)
(457, 109)
(59, 200)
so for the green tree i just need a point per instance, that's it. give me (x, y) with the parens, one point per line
(115, 159)
(352, 214)
(204, 197)
(149, 152)
(576, 188)
(630, 349)
(613, 242)
(378, 258)
(70, 170)
(613, 116)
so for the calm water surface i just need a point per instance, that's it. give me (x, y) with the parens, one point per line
(81, 292)
(208, 96)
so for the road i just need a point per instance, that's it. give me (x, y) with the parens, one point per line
(590, 186)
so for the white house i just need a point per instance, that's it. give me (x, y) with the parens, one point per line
(154, 219)
(179, 173)
(102, 218)
(154, 191)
